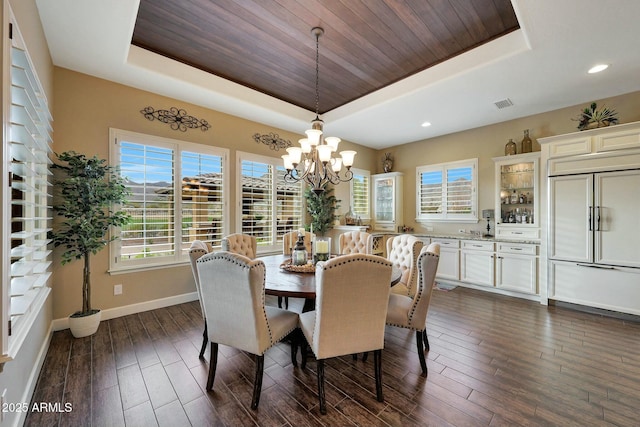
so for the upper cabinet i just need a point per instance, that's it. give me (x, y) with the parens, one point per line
(387, 201)
(516, 196)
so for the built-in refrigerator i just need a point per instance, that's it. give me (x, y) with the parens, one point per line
(594, 239)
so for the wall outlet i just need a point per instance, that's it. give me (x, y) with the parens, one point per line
(461, 230)
(117, 289)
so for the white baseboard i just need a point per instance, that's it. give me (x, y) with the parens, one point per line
(112, 313)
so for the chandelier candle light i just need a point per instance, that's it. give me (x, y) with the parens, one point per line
(314, 155)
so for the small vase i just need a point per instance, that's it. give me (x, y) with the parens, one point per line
(510, 148)
(387, 162)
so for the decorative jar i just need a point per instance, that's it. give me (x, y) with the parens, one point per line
(510, 148)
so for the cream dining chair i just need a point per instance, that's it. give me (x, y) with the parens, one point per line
(232, 288)
(355, 242)
(242, 244)
(352, 293)
(199, 248)
(403, 251)
(411, 312)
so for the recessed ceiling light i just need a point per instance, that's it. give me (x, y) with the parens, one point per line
(598, 68)
(426, 124)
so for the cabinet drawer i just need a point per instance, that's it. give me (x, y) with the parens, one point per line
(517, 248)
(477, 245)
(384, 227)
(447, 243)
(518, 233)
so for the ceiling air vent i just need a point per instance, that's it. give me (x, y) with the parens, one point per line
(503, 103)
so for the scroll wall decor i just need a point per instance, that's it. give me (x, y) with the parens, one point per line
(177, 118)
(273, 140)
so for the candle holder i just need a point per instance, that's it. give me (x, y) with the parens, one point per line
(321, 249)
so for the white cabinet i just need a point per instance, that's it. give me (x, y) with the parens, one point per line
(387, 201)
(516, 200)
(477, 266)
(517, 267)
(449, 263)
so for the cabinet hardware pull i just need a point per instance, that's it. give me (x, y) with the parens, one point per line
(477, 246)
(516, 249)
(589, 211)
(516, 232)
(602, 267)
(597, 218)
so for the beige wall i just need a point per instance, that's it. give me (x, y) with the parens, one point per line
(485, 143)
(87, 107)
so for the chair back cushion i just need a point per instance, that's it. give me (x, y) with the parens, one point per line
(403, 251)
(352, 292)
(241, 244)
(289, 241)
(427, 267)
(232, 287)
(355, 242)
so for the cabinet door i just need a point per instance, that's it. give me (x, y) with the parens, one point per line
(449, 264)
(477, 267)
(517, 273)
(570, 218)
(617, 218)
(384, 189)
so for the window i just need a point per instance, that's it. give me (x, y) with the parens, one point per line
(268, 207)
(163, 226)
(25, 194)
(360, 187)
(447, 191)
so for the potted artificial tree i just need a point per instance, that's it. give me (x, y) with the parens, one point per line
(322, 208)
(87, 193)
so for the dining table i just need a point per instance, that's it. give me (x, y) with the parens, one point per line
(284, 283)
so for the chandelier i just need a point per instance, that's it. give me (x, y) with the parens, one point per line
(313, 161)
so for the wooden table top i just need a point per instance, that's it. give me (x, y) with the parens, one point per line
(284, 283)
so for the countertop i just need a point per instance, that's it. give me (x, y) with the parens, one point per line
(458, 236)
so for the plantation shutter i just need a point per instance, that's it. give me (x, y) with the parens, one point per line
(288, 205)
(459, 190)
(430, 192)
(29, 139)
(360, 195)
(202, 198)
(149, 171)
(257, 200)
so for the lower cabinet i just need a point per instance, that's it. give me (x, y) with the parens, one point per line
(517, 267)
(449, 263)
(477, 266)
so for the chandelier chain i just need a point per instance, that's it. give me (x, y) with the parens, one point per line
(317, 73)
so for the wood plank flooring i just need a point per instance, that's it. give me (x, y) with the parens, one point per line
(494, 361)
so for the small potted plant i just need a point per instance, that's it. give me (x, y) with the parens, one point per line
(87, 193)
(592, 117)
(322, 209)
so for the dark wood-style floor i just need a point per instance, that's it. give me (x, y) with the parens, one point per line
(494, 361)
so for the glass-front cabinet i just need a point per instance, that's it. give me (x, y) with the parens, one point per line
(516, 206)
(387, 201)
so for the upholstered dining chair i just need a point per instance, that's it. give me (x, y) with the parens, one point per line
(411, 312)
(242, 244)
(232, 287)
(403, 251)
(352, 293)
(197, 249)
(288, 242)
(355, 242)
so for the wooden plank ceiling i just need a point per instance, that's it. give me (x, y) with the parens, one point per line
(268, 46)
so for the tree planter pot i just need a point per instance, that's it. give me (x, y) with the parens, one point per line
(83, 326)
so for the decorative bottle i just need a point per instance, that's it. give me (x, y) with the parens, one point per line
(526, 146)
(299, 253)
(510, 148)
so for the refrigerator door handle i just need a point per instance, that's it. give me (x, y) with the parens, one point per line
(590, 209)
(597, 218)
(602, 267)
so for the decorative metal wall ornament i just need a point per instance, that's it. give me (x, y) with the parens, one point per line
(273, 140)
(178, 119)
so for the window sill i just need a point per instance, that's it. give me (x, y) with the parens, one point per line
(139, 268)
